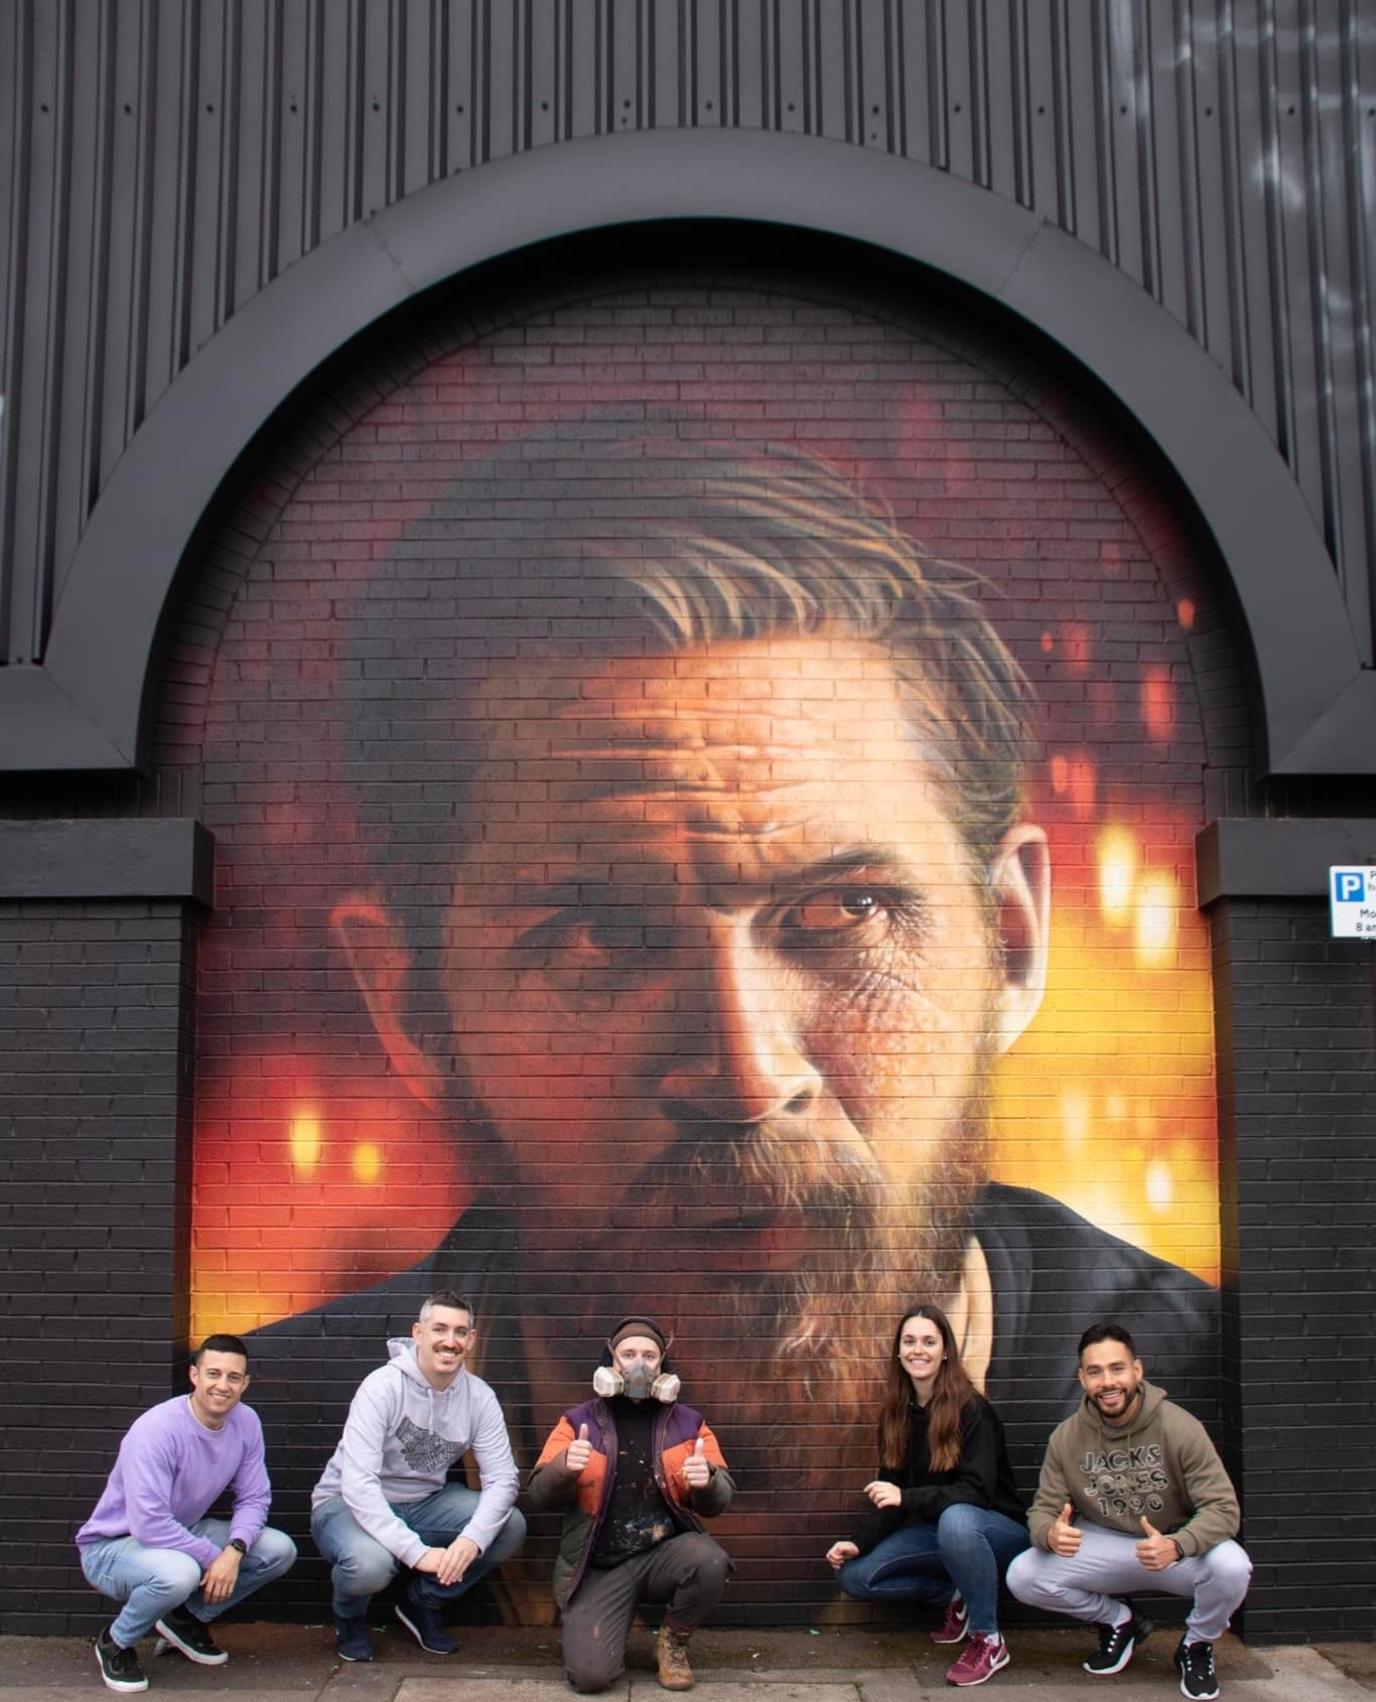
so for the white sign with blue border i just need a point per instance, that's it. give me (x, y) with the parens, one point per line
(1352, 903)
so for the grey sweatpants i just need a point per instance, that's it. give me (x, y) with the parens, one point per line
(1085, 1585)
(688, 1572)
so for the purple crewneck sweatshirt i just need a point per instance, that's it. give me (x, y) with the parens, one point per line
(171, 1471)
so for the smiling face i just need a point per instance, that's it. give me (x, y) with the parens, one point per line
(443, 1338)
(921, 1352)
(1112, 1378)
(218, 1384)
(724, 986)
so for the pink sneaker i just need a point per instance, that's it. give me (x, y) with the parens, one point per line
(952, 1627)
(981, 1658)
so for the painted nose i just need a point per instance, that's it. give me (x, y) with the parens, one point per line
(738, 1058)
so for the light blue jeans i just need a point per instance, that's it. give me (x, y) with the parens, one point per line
(360, 1566)
(152, 1581)
(967, 1549)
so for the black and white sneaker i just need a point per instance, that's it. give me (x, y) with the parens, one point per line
(190, 1637)
(1198, 1677)
(1116, 1646)
(118, 1667)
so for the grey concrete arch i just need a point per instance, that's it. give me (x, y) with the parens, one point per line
(85, 708)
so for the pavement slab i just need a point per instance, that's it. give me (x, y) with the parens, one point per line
(279, 1663)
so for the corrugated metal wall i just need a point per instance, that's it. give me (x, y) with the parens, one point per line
(162, 160)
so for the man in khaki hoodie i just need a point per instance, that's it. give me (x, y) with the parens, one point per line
(1133, 1496)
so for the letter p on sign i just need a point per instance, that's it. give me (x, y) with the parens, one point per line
(1352, 903)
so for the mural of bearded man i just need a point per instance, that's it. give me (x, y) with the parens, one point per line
(703, 908)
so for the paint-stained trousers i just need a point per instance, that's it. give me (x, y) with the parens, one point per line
(688, 1573)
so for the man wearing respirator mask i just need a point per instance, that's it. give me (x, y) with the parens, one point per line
(634, 1473)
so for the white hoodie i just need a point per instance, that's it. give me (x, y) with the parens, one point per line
(399, 1441)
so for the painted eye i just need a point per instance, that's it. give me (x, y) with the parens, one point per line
(834, 911)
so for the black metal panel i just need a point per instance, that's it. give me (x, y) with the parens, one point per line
(162, 165)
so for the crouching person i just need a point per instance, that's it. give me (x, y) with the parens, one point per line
(1133, 1496)
(384, 1502)
(149, 1544)
(634, 1473)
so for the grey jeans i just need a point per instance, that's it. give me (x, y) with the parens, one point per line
(1086, 1584)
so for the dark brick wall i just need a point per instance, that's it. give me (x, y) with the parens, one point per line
(94, 1159)
(96, 1037)
(1297, 1078)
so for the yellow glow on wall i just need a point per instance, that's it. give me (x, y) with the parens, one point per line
(1158, 903)
(1117, 850)
(1075, 1117)
(306, 1143)
(1160, 1185)
(367, 1163)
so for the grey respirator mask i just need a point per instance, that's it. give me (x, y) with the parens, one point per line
(607, 1381)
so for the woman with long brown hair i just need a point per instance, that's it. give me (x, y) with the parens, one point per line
(947, 1516)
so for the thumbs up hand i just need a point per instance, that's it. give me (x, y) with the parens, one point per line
(696, 1470)
(578, 1453)
(1063, 1537)
(1156, 1553)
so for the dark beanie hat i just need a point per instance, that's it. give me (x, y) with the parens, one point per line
(636, 1326)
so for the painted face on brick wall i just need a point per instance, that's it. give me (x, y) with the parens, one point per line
(726, 988)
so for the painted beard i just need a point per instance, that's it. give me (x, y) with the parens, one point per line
(780, 1260)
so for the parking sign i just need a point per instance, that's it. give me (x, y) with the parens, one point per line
(1352, 903)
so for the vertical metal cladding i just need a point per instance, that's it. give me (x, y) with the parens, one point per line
(160, 164)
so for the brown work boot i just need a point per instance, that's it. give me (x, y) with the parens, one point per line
(671, 1651)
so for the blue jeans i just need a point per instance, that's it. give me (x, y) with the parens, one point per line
(968, 1547)
(152, 1581)
(360, 1566)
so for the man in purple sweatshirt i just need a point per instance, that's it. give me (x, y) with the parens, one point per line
(149, 1544)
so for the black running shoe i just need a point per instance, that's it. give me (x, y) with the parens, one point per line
(1116, 1646)
(119, 1667)
(1195, 1663)
(191, 1637)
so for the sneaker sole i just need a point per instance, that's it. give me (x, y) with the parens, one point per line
(1145, 1629)
(994, 1666)
(360, 1660)
(169, 1636)
(948, 1642)
(1196, 1695)
(429, 1648)
(125, 1686)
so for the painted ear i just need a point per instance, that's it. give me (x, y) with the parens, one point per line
(1021, 882)
(375, 945)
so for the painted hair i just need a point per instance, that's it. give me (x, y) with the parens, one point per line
(562, 550)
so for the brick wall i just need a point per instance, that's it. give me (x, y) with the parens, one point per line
(325, 1166)
(1297, 1066)
(95, 1055)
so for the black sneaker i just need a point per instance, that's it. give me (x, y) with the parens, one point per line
(118, 1667)
(351, 1639)
(1195, 1663)
(1116, 1645)
(185, 1633)
(425, 1625)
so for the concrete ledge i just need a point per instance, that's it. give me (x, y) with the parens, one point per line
(1277, 858)
(107, 859)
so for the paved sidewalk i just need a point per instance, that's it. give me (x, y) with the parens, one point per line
(277, 1663)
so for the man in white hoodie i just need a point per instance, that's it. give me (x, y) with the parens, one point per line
(384, 1502)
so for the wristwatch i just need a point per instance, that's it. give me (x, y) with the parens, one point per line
(239, 1543)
